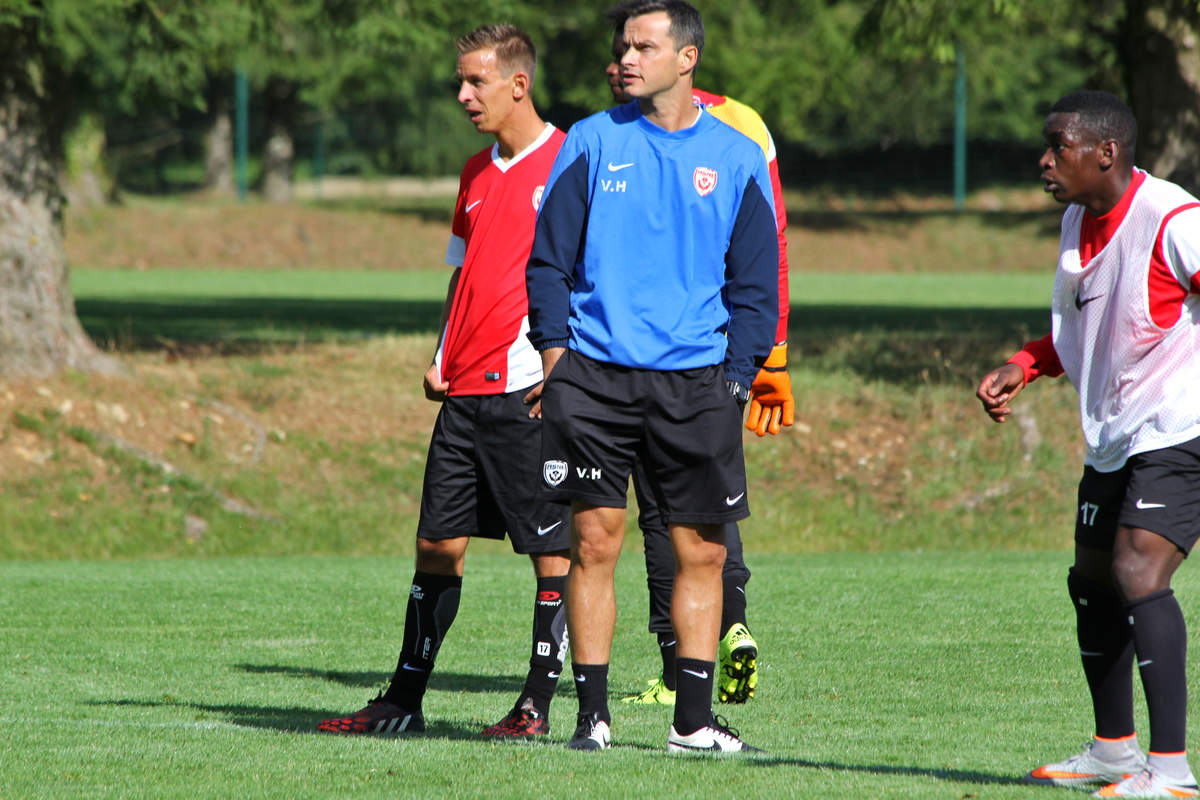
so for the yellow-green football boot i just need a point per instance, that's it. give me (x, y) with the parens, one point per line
(737, 660)
(656, 694)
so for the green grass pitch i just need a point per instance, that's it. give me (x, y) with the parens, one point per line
(890, 675)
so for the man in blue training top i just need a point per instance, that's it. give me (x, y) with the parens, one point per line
(653, 298)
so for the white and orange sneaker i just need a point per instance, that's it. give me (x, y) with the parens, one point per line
(1151, 783)
(1088, 769)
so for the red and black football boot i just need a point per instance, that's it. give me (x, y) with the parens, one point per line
(379, 717)
(523, 720)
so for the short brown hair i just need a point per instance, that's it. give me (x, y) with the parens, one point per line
(514, 49)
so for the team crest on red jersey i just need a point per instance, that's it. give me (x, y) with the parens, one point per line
(537, 196)
(705, 180)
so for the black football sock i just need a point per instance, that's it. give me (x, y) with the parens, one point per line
(666, 648)
(432, 606)
(1106, 650)
(693, 694)
(549, 643)
(591, 684)
(1160, 637)
(733, 605)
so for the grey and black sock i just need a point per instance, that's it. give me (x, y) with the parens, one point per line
(432, 606)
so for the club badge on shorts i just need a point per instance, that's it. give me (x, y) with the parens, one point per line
(554, 472)
(705, 180)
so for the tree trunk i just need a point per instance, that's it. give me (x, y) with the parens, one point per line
(39, 331)
(1161, 49)
(87, 183)
(218, 147)
(277, 165)
(280, 151)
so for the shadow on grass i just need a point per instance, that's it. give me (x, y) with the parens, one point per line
(287, 720)
(896, 344)
(361, 679)
(438, 681)
(906, 345)
(955, 775)
(304, 720)
(241, 324)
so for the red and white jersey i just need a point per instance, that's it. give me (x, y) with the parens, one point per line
(746, 120)
(1126, 320)
(483, 349)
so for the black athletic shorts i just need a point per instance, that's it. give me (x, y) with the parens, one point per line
(1158, 490)
(482, 476)
(682, 424)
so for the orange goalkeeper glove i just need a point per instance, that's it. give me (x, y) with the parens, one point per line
(771, 401)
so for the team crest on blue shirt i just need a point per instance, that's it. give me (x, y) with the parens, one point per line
(553, 472)
(705, 180)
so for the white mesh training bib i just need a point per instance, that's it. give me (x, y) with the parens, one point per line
(1139, 384)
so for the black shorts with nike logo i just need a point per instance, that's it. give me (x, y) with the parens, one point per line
(682, 425)
(482, 475)
(1158, 490)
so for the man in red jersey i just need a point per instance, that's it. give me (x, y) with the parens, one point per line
(1126, 331)
(481, 373)
(771, 405)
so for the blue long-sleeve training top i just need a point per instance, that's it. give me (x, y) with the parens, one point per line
(657, 249)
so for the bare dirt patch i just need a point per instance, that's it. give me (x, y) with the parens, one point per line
(295, 419)
(323, 448)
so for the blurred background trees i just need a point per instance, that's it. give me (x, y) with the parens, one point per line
(70, 67)
(365, 86)
(108, 96)
(1025, 53)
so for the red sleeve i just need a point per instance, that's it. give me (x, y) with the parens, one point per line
(1038, 358)
(781, 227)
(458, 223)
(1166, 293)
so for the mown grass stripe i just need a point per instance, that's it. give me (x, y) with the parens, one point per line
(938, 290)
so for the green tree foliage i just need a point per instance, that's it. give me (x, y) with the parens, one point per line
(59, 60)
(1021, 56)
(389, 82)
(380, 72)
(114, 54)
(833, 75)
(91, 61)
